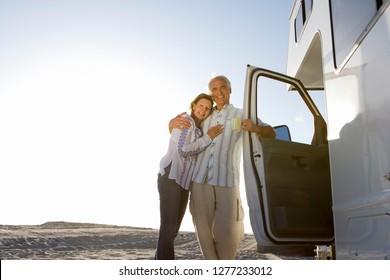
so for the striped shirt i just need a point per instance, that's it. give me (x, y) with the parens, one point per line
(183, 148)
(219, 164)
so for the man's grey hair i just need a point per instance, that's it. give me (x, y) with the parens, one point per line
(219, 77)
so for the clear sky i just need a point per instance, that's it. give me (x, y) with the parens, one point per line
(87, 89)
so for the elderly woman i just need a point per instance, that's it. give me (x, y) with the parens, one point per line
(176, 169)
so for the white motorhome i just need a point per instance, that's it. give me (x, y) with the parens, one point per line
(325, 180)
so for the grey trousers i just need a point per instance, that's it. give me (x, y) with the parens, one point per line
(173, 204)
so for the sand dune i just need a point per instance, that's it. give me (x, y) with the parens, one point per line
(81, 241)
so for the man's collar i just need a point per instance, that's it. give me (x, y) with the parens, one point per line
(226, 106)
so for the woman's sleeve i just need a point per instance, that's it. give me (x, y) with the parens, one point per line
(186, 148)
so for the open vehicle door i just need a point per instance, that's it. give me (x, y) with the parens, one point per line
(287, 181)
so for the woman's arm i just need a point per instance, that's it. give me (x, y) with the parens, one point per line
(187, 149)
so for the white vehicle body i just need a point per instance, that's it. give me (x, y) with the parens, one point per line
(334, 189)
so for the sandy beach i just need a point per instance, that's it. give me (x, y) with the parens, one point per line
(84, 241)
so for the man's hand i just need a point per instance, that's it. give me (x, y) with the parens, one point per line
(264, 131)
(179, 122)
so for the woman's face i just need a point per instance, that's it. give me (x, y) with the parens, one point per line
(202, 109)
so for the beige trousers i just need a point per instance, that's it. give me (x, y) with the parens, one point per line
(218, 218)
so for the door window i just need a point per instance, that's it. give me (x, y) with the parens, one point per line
(278, 106)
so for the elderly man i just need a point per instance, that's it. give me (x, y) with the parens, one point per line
(215, 201)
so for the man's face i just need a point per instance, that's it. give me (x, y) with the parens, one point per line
(220, 92)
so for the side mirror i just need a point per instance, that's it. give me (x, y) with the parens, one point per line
(282, 132)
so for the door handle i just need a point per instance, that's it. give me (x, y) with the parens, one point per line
(300, 162)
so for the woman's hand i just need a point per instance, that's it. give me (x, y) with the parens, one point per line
(215, 130)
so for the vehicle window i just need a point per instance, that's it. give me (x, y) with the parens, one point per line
(298, 24)
(349, 21)
(308, 6)
(302, 16)
(278, 106)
